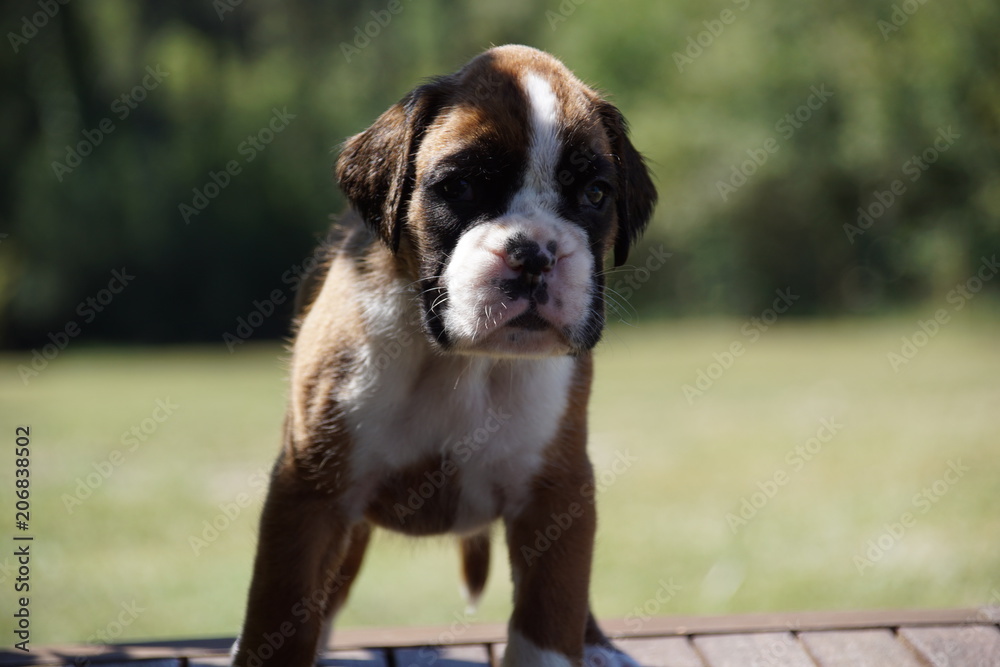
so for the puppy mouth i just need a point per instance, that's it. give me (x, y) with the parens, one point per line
(530, 320)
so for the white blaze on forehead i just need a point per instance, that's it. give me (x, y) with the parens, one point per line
(543, 153)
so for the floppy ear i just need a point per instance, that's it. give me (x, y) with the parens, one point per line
(636, 192)
(375, 168)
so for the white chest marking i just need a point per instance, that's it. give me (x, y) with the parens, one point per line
(491, 418)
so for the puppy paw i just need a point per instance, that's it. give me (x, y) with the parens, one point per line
(606, 656)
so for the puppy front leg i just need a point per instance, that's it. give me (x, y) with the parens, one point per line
(302, 536)
(339, 576)
(551, 544)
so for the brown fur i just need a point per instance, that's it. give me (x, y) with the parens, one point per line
(309, 551)
(551, 603)
(475, 554)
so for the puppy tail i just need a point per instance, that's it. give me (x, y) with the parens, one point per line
(475, 551)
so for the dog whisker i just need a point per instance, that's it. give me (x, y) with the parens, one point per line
(441, 299)
(620, 301)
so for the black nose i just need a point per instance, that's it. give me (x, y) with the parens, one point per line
(528, 257)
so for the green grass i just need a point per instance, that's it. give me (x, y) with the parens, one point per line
(663, 517)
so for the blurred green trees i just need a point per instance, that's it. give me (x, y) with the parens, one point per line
(848, 151)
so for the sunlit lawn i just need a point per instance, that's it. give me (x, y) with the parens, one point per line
(682, 468)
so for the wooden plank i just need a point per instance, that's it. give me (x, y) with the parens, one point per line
(457, 634)
(648, 652)
(858, 648)
(367, 658)
(793, 621)
(110, 657)
(488, 633)
(970, 645)
(449, 656)
(102, 654)
(330, 659)
(661, 652)
(752, 650)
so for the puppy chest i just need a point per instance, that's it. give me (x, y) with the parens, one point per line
(455, 456)
(461, 478)
(436, 496)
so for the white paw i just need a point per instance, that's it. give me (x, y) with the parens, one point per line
(602, 656)
(522, 652)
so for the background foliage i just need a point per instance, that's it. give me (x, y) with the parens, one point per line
(702, 84)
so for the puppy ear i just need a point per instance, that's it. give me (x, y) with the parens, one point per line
(636, 192)
(375, 169)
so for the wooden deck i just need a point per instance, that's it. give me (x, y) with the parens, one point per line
(952, 638)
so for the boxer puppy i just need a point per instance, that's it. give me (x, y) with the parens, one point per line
(441, 373)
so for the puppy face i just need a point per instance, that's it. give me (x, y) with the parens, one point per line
(505, 185)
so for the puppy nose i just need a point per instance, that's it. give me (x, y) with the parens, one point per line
(528, 257)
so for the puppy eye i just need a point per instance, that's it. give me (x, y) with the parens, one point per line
(595, 194)
(456, 190)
